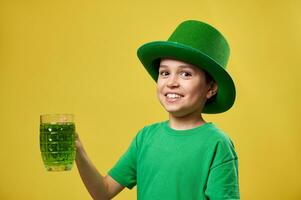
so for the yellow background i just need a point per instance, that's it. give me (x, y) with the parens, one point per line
(80, 57)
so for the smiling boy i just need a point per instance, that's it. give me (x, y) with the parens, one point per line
(184, 157)
(183, 90)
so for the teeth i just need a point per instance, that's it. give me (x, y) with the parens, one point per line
(173, 96)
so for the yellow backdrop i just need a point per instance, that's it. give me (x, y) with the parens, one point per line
(80, 57)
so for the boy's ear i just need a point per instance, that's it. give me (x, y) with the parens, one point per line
(212, 90)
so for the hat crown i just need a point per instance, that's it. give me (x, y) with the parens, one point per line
(204, 38)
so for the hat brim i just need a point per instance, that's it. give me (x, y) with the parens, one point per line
(150, 53)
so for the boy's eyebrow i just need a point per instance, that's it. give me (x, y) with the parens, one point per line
(182, 66)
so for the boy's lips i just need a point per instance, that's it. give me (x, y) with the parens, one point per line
(169, 100)
(174, 93)
(172, 97)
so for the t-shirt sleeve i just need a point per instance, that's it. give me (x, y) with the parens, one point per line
(124, 171)
(222, 181)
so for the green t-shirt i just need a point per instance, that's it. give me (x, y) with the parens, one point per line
(168, 164)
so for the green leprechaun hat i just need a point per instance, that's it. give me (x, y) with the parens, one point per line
(202, 45)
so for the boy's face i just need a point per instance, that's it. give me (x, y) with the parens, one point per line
(182, 88)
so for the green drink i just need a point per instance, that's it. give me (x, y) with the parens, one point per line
(57, 142)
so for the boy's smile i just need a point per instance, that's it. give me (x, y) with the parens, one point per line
(181, 88)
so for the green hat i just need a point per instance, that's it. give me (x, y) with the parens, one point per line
(199, 44)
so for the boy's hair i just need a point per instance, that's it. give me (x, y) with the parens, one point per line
(209, 78)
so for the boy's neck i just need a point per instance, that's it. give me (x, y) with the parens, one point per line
(186, 122)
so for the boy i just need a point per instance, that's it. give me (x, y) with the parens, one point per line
(185, 157)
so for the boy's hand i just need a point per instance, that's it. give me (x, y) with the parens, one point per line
(98, 186)
(77, 141)
(78, 144)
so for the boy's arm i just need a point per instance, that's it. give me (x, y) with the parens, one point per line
(99, 187)
(113, 187)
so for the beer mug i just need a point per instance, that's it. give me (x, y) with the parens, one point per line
(57, 141)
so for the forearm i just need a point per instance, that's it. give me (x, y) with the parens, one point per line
(92, 179)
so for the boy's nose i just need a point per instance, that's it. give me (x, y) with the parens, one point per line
(172, 81)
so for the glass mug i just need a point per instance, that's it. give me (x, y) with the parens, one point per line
(57, 141)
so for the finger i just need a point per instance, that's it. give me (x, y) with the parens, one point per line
(76, 135)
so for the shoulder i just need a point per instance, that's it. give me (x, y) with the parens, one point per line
(216, 134)
(148, 131)
(223, 144)
(150, 128)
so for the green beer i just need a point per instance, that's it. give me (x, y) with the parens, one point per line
(57, 145)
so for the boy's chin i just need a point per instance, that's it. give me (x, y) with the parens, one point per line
(176, 113)
(182, 112)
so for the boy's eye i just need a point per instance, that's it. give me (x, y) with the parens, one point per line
(163, 73)
(187, 74)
